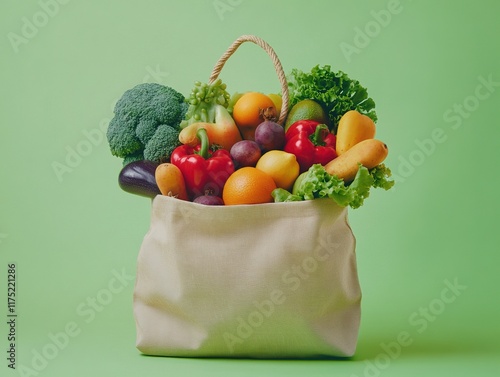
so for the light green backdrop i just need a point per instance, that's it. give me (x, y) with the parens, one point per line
(433, 70)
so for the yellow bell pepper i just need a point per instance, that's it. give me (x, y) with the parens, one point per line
(223, 132)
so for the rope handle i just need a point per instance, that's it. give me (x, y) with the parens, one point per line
(277, 66)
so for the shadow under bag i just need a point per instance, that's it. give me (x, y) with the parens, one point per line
(275, 280)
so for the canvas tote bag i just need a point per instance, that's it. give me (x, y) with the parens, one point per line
(267, 280)
(270, 280)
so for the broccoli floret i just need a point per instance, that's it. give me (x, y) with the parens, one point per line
(161, 145)
(138, 115)
(184, 109)
(151, 100)
(202, 101)
(145, 130)
(121, 137)
(133, 157)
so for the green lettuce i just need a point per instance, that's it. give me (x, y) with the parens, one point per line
(317, 183)
(335, 91)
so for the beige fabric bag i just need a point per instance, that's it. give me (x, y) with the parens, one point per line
(267, 280)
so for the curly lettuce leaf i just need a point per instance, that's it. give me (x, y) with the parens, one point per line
(281, 195)
(335, 91)
(380, 174)
(317, 183)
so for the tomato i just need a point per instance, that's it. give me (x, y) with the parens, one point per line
(251, 110)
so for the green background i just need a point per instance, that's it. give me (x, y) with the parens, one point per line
(70, 233)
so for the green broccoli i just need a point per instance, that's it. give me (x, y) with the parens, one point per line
(142, 116)
(132, 158)
(202, 101)
(161, 145)
(121, 137)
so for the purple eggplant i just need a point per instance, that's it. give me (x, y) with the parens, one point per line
(138, 178)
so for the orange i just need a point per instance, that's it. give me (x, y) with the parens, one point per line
(251, 109)
(248, 185)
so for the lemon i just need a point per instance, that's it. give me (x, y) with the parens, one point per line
(306, 109)
(281, 166)
(278, 101)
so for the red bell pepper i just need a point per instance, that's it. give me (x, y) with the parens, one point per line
(203, 170)
(311, 142)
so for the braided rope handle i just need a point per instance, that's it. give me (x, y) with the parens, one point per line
(277, 65)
